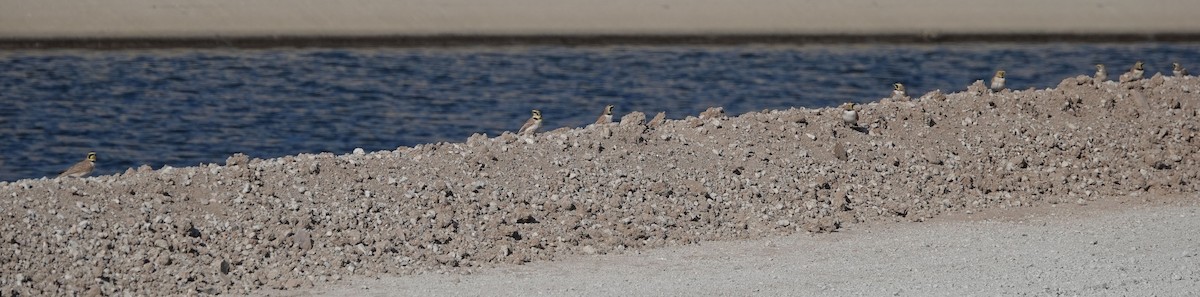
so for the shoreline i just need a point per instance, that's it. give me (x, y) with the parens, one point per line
(402, 41)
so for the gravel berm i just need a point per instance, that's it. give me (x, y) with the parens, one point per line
(312, 219)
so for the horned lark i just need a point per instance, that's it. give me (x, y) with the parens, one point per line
(605, 117)
(83, 168)
(1178, 70)
(898, 91)
(1135, 73)
(998, 81)
(849, 115)
(1101, 74)
(532, 124)
(1138, 70)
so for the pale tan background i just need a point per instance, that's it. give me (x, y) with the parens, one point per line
(200, 18)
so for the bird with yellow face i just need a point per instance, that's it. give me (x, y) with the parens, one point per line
(81, 169)
(998, 81)
(849, 115)
(606, 116)
(1101, 73)
(898, 91)
(531, 125)
(1136, 73)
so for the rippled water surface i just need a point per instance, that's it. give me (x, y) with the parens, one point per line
(186, 107)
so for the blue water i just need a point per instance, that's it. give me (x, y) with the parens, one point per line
(186, 107)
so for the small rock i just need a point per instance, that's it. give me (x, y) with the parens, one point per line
(712, 113)
(193, 232)
(839, 152)
(658, 120)
(222, 266)
(633, 118)
(237, 159)
(293, 283)
(302, 240)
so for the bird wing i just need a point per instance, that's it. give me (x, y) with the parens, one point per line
(528, 123)
(82, 167)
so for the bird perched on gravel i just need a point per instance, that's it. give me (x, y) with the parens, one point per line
(998, 81)
(898, 91)
(1101, 73)
(83, 168)
(532, 124)
(849, 115)
(606, 116)
(1178, 70)
(1136, 73)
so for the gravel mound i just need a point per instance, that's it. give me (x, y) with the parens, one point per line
(306, 220)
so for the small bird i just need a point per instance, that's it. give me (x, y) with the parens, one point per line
(605, 117)
(1138, 70)
(1178, 70)
(1136, 73)
(1101, 74)
(849, 116)
(998, 81)
(532, 124)
(83, 168)
(898, 91)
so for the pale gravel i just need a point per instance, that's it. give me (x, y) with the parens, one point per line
(1131, 248)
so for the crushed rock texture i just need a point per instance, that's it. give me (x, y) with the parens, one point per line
(301, 221)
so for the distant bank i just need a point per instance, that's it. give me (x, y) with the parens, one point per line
(552, 40)
(264, 23)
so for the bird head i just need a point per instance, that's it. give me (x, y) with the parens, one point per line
(91, 156)
(1000, 73)
(537, 114)
(608, 109)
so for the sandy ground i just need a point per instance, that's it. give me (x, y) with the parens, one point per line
(315, 220)
(210, 18)
(1120, 246)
